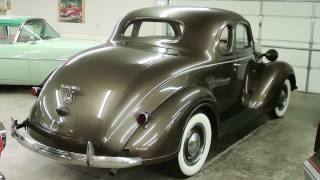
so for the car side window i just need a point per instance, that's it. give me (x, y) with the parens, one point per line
(36, 30)
(225, 40)
(3, 36)
(129, 30)
(242, 39)
(12, 31)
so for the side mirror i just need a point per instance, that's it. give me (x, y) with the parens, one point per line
(271, 55)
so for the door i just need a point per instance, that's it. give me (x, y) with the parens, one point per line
(223, 81)
(14, 68)
(244, 50)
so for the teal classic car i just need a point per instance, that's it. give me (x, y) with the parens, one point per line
(30, 49)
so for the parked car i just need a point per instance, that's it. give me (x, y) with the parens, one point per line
(169, 80)
(30, 49)
(2, 143)
(312, 165)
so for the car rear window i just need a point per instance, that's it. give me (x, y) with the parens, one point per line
(155, 29)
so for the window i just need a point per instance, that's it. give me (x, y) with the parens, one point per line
(8, 33)
(3, 34)
(12, 32)
(225, 40)
(128, 31)
(148, 29)
(242, 39)
(153, 29)
(36, 30)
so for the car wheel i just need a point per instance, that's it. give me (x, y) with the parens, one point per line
(283, 102)
(195, 145)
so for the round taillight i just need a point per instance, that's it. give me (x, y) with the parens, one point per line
(142, 118)
(35, 91)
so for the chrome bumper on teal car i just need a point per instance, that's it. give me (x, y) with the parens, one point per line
(88, 159)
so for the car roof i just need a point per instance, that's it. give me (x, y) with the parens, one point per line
(183, 14)
(200, 25)
(13, 20)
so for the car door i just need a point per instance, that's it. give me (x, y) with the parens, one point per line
(244, 64)
(14, 68)
(223, 81)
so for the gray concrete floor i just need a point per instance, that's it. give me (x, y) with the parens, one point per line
(263, 149)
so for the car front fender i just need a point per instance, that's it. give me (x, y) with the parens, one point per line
(160, 140)
(268, 81)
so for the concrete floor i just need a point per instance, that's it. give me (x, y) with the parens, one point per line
(262, 150)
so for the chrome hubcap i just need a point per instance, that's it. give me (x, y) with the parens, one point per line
(194, 145)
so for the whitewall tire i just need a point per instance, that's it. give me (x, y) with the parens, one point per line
(195, 144)
(284, 99)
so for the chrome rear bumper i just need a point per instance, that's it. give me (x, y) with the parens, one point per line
(88, 159)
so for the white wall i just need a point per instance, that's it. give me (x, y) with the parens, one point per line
(101, 16)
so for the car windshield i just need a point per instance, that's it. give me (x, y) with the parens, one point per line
(141, 30)
(7, 34)
(36, 30)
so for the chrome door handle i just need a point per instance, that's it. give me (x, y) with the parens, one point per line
(236, 64)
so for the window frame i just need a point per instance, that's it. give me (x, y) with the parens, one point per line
(23, 25)
(247, 26)
(175, 25)
(229, 51)
(5, 32)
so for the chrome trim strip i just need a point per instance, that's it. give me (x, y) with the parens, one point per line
(310, 172)
(88, 159)
(33, 59)
(186, 70)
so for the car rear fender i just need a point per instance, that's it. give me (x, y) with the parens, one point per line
(268, 81)
(160, 140)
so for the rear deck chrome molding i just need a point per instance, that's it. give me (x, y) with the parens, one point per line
(88, 159)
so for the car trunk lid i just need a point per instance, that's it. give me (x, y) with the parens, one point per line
(100, 78)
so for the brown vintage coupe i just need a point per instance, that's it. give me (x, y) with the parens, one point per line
(169, 80)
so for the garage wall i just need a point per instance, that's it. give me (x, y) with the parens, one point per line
(292, 27)
(101, 16)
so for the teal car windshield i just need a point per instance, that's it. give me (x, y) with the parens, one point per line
(36, 30)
